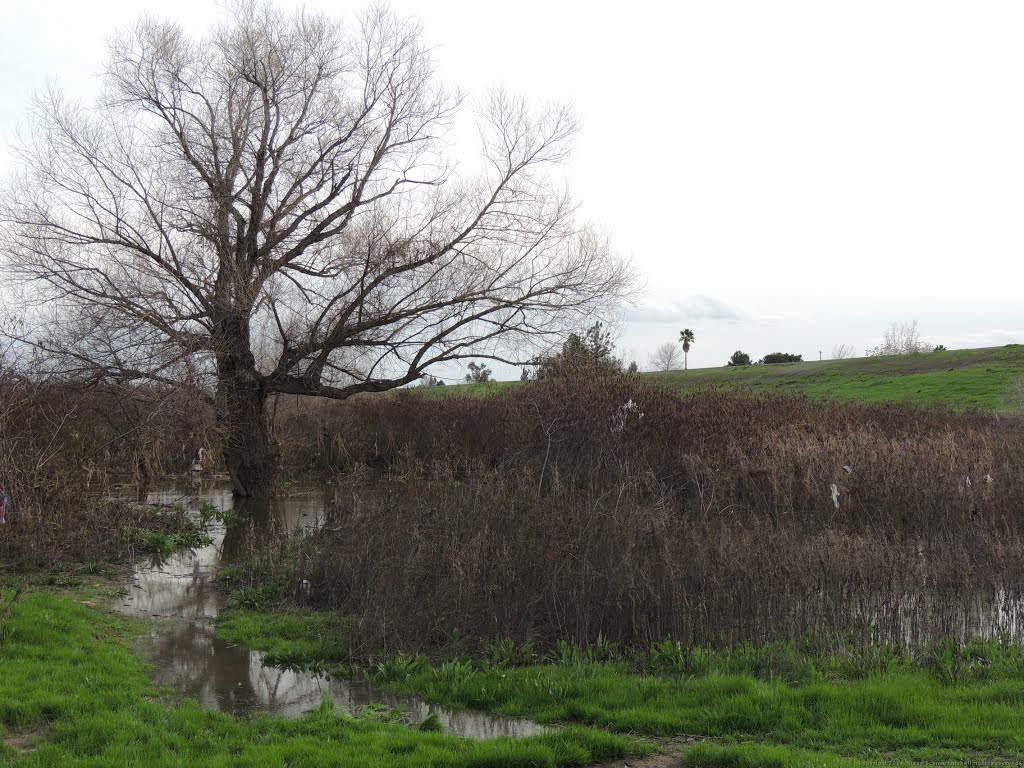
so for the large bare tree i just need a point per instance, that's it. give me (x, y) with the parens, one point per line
(274, 209)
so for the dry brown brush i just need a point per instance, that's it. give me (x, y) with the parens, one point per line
(566, 509)
(63, 450)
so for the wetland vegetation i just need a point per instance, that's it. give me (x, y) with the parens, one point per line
(719, 577)
(221, 267)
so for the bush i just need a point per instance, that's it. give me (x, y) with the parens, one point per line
(780, 357)
(591, 354)
(901, 339)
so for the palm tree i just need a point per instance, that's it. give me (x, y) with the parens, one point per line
(686, 339)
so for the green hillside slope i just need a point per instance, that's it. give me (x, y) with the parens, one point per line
(990, 379)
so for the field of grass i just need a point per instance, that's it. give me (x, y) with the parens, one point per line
(987, 379)
(781, 705)
(73, 694)
(962, 378)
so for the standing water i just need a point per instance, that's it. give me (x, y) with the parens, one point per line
(189, 657)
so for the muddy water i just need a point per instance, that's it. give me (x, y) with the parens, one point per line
(189, 657)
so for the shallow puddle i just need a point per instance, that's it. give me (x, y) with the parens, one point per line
(189, 657)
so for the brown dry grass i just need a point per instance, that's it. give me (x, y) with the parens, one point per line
(553, 512)
(63, 448)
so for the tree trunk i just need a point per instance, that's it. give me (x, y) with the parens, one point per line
(250, 451)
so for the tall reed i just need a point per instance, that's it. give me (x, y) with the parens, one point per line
(62, 450)
(566, 509)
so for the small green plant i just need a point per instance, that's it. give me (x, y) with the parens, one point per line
(506, 652)
(454, 635)
(452, 671)
(230, 517)
(669, 658)
(431, 723)
(62, 580)
(158, 543)
(400, 667)
(258, 598)
(207, 513)
(945, 659)
(380, 713)
(190, 538)
(605, 649)
(296, 661)
(568, 654)
(231, 574)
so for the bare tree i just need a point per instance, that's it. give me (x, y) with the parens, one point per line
(272, 209)
(666, 357)
(901, 339)
(842, 351)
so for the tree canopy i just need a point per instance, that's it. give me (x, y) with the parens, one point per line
(274, 208)
(781, 357)
(591, 353)
(666, 357)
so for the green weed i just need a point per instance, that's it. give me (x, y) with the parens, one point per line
(399, 667)
(431, 723)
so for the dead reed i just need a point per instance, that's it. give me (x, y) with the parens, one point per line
(62, 450)
(565, 510)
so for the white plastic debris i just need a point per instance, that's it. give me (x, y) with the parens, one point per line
(835, 495)
(848, 469)
(624, 414)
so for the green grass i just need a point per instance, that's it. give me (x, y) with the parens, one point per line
(909, 714)
(987, 379)
(483, 390)
(964, 378)
(773, 705)
(305, 638)
(762, 756)
(73, 694)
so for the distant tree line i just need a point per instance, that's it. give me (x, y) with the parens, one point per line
(742, 358)
(899, 339)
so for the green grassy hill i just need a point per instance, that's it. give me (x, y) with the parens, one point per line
(990, 379)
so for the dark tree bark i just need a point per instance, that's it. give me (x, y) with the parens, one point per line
(250, 451)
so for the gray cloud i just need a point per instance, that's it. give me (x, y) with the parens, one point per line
(696, 308)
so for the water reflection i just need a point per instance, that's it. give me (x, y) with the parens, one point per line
(912, 619)
(190, 658)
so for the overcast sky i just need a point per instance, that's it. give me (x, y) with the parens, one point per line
(787, 176)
